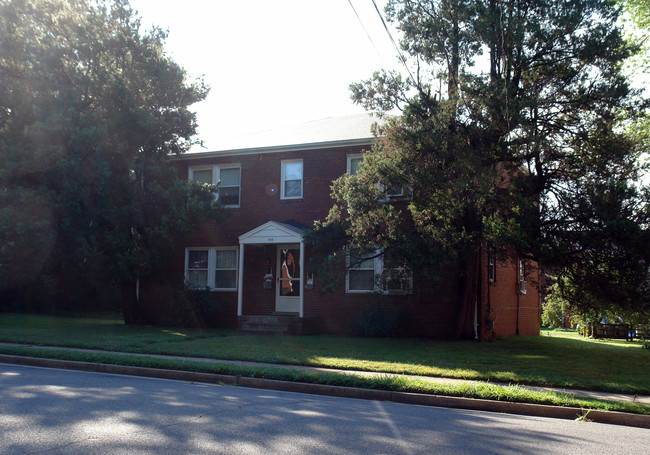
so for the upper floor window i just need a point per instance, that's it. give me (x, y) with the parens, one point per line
(227, 178)
(202, 175)
(229, 186)
(390, 191)
(354, 163)
(291, 179)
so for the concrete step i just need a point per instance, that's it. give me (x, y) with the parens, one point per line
(279, 323)
(276, 327)
(269, 319)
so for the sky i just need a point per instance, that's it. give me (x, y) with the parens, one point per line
(272, 63)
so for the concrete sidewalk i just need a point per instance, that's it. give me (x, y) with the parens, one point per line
(643, 399)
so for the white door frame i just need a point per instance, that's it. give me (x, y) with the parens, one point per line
(290, 304)
(272, 233)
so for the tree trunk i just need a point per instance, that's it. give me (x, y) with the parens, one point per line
(467, 295)
(129, 303)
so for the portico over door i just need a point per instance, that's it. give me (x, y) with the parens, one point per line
(289, 285)
(290, 252)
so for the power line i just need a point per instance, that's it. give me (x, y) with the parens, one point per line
(364, 29)
(399, 51)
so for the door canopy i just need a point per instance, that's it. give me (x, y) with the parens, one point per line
(272, 233)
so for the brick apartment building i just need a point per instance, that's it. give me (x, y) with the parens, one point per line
(275, 185)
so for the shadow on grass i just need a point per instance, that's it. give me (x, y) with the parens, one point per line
(563, 361)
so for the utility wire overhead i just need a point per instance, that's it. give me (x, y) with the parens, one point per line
(390, 35)
(365, 29)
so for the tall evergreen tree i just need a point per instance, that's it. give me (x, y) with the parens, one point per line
(90, 109)
(637, 32)
(522, 150)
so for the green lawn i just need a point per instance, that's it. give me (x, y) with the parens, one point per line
(555, 358)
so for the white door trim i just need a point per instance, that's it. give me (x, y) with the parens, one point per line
(290, 304)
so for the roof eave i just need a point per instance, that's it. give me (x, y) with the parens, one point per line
(276, 149)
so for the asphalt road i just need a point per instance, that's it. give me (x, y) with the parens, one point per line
(68, 412)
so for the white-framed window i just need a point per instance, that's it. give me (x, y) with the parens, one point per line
(374, 271)
(292, 179)
(523, 285)
(354, 163)
(361, 276)
(202, 174)
(491, 264)
(225, 268)
(226, 177)
(229, 186)
(390, 191)
(396, 278)
(196, 268)
(213, 268)
(393, 190)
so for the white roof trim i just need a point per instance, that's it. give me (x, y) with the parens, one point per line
(272, 232)
(275, 149)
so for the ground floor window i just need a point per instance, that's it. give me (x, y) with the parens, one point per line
(361, 271)
(377, 271)
(212, 268)
(522, 277)
(492, 264)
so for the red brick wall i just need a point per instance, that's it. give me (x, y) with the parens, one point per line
(320, 168)
(505, 311)
(430, 311)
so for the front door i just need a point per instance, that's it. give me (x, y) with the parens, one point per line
(288, 279)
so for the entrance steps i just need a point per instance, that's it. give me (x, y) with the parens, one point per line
(282, 324)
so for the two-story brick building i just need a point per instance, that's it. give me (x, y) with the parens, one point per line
(275, 185)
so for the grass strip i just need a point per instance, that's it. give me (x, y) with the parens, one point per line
(557, 359)
(512, 393)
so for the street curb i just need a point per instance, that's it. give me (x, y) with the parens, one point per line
(537, 410)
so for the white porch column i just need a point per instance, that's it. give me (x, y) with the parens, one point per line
(240, 279)
(302, 277)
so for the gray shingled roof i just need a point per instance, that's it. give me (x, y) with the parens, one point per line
(353, 128)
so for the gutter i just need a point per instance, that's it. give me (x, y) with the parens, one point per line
(274, 149)
(538, 410)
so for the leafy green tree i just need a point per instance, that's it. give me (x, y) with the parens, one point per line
(639, 10)
(566, 298)
(90, 109)
(555, 308)
(524, 134)
(637, 31)
(638, 24)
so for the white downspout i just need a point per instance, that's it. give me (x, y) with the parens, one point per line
(302, 277)
(240, 279)
(476, 319)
